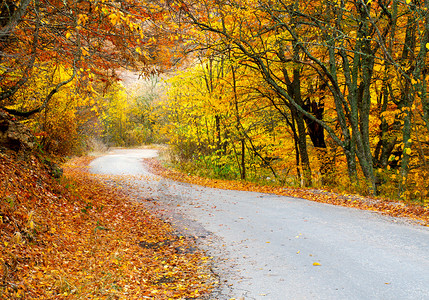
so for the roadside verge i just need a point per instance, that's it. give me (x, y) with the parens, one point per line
(416, 213)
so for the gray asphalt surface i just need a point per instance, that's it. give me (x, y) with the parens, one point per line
(264, 246)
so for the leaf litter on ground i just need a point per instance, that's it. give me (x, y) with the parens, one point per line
(411, 211)
(77, 238)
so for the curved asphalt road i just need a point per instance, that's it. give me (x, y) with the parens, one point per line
(264, 245)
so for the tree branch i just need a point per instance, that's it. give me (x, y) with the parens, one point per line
(45, 102)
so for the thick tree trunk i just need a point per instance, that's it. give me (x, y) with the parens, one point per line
(317, 136)
(294, 89)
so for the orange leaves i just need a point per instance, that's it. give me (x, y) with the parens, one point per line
(82, 19)
(96, 37)
(86, 241)
(114, 18)
(384, 206)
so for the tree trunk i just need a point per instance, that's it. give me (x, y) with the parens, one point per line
(243, 160)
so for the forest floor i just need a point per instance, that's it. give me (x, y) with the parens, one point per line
(76, 238)
(394, 208)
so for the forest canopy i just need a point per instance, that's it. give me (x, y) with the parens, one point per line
(308, 90)
(304, 93)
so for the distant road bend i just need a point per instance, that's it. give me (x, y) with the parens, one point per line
(265, 246)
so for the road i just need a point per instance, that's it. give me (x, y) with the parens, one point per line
(264, 246)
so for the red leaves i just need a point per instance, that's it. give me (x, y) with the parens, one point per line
(85, 241)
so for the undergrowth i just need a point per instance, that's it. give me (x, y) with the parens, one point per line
(396, 208)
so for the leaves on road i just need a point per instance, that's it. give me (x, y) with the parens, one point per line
(388, 207)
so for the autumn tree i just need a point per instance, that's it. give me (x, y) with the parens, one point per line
(91, 39)
(234, 23)
(337, 43)
(128, 114)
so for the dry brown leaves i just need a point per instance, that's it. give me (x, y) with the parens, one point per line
(80, 239)
(385, 206)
